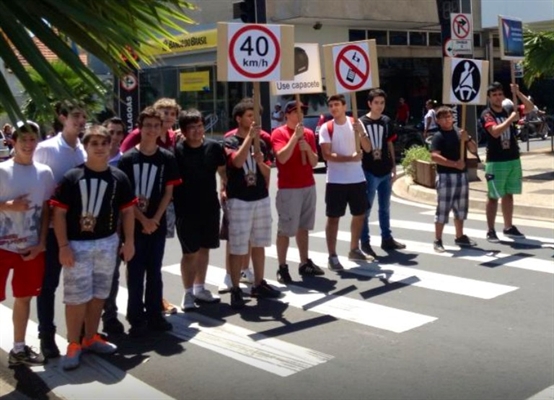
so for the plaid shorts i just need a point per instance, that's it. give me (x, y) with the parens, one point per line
(170, 218)
(92, 274)
(452, 194)
(249, 222)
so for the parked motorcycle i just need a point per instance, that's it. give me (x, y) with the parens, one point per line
(537, 128)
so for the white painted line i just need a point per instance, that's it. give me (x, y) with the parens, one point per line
(95, 377)
(475, 255)
(546, 394)
(410, 203)
(532, 223)
(412, 276)
(472, 233)
(340, 307)
(268, 354)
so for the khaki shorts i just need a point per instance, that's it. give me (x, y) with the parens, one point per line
(92, 274)
(296, 209)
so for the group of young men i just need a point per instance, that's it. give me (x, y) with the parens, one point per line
(116, 200)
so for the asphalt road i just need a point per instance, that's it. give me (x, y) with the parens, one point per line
(468, 324)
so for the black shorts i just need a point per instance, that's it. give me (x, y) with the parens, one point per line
(198, 231)
(338, 195)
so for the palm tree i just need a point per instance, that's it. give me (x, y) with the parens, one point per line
(117, 32)
(539, 56)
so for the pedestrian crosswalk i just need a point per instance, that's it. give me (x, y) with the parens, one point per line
(246, 343)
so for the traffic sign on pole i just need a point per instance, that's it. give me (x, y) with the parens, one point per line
(255, 52)
(461, 33)
(351, 67)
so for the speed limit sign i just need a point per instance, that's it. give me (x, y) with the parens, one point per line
(255, 52)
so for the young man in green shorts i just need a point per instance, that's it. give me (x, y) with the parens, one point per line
(503, 169)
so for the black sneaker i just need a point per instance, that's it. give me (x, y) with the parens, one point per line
(366, 248)
(138, 329)
(491, 236)
(283, 275)
(464, 241)
(513, 232)
(27, 357)
(159, 325)
(263, 290)
(391, 244)
(113, 327)
(438, 247)
(48, 346)
(237, 302)
(309, 268)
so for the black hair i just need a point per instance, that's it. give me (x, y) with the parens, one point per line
(336, 97)
(495, 87)
(188, 117)
(373, 93)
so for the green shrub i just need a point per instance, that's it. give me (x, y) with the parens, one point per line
(415, 153)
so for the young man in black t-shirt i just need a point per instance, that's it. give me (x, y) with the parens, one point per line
(153, 173)
(87, 206)
(379, 168)
(452, 184)
(197, 205)
(249, 207)
(503, 168)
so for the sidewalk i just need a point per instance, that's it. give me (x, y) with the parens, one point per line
(536, 201)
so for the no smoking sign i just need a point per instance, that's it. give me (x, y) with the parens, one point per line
(254, 52)
(353, 66)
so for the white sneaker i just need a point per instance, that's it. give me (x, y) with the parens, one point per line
(205, 296)
(247, 276)
(188, 303)
(226, 285)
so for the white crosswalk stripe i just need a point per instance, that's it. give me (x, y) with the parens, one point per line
(470, 254)
(411, 276)
(344, 308)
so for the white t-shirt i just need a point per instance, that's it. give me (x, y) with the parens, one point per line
(19, 230)
(59, 156)
(433, 125)
(343, 144)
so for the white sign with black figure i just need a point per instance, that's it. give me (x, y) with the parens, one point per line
(465, 81)
(307, 72)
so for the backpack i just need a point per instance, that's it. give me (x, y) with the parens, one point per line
(331, 126)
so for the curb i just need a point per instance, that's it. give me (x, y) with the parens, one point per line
(405, 188)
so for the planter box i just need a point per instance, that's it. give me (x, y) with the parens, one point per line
(425, 173)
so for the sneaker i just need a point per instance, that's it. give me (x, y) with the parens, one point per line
(72, 358)
(334, 264)
(263, 290)
(168, 308)
(159, 324)
(138, 330)
(391, 244)
(491, 236)
(48, 346)
(28, 357)
(188, 303)
(237, 302)
(283, 275)
(438, 247)
(513, 232)
(98, 345)
(309, 268)
(246, 276)
(464, 241)
(226, 286)
(204, 296)
(366, 248)
(358, 255)
(113, 327)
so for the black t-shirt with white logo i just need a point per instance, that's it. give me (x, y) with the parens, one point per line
(93, 201)
(246, 183)
(378, 161)
(448, 143)
(198, 168)
(149, 175)
(504, 147)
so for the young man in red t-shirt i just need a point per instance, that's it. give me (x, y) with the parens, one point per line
(296, 197)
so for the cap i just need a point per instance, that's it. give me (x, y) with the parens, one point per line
(291, 106)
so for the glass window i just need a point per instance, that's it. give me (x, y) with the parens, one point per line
(418, 38)
(435, 39)
(495, 42)
(379, 36)
(477, 40)
(355, 35)
(398, 38)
